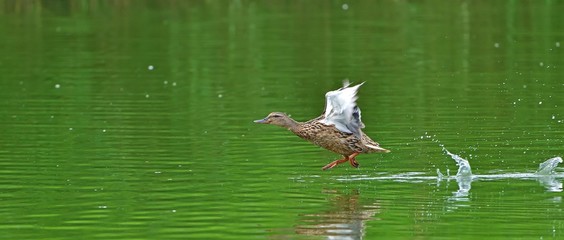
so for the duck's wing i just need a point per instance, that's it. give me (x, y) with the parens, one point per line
(341, 109)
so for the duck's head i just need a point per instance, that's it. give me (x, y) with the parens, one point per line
(278, 119)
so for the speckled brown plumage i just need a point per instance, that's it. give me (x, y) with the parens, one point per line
(332, 139)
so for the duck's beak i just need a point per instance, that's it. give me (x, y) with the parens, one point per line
(260, 120)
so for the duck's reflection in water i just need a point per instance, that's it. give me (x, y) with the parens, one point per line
(344, 219)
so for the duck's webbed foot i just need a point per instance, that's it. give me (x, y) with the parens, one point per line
(353, 161)
(335, 163)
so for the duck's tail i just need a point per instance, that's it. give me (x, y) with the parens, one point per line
(376, 148)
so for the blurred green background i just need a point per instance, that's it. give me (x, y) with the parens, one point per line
(133, 119)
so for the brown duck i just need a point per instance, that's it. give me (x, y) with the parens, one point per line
(338, 129)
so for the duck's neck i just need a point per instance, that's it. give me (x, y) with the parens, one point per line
(291, 124)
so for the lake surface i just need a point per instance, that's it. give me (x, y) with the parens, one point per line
(133, 119)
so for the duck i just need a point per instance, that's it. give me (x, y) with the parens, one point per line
(337, 129)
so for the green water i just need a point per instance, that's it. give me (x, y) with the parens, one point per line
(133, 119)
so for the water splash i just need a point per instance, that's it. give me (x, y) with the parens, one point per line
(546, 175)
(463, 177)
(463, 165)
(547, 167)
(440, 176)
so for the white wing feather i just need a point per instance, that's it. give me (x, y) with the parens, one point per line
(341, 109)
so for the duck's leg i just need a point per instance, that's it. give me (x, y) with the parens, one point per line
(352, 160)
(336, 162)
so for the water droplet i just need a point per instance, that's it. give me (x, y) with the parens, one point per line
(165, 82)
(173, 210)
(150, 67)
(70, 129)
(540, 102)
(173, 83)
(146, 95)
(557, 44)
(541, 64)
(496, 45)
(103, 130)
(345, 6)
(57, 85)
(220, 95)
